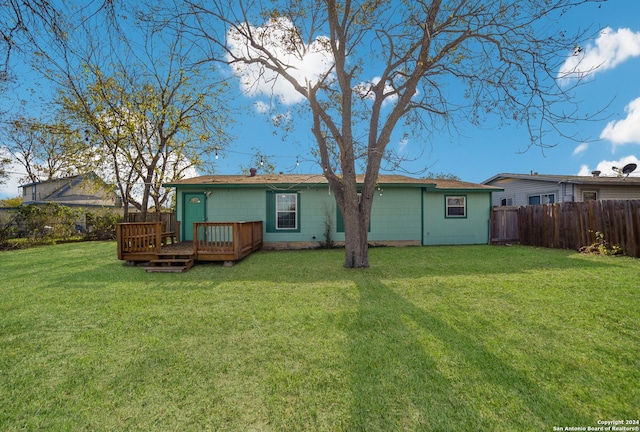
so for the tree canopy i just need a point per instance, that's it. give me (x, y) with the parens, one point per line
(382, 66)
(141, 107)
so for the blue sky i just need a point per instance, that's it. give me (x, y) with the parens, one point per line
(478, 153)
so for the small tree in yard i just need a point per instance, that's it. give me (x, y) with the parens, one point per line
(148, 121)
(386, 64)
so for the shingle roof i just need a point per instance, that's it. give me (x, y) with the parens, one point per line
(318, 179)
(457, 184)
(591, 180)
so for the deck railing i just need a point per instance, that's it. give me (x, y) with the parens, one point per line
(212, 241)
(233, 240)
(139, 237)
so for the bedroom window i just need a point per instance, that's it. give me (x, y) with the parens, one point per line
(286, 211)
(283, 211)
(456, 206)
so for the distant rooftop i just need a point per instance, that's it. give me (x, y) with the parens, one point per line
(592, 179)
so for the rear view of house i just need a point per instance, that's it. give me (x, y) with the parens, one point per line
(299, 211)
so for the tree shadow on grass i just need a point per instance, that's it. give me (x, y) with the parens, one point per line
(412, 370)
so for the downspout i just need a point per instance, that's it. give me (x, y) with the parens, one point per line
(489, 220)
(422, 222)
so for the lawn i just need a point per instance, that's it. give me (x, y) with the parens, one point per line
(432, 338)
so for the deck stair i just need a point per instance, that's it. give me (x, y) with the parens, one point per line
(171, 263)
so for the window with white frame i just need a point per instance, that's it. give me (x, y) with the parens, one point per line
(286, 211)
(542, 199)
(589, 196)
(506, 202)
(456, 206)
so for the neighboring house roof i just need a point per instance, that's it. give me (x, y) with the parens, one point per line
(71, 191)
(586, 180)
(318, 179)
(66, 180)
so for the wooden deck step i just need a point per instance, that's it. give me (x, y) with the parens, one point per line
(170, 265)
(170, 269)
(171, 260)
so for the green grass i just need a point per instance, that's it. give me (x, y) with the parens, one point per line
(433, 338)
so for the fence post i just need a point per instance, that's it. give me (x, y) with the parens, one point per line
(119, 240)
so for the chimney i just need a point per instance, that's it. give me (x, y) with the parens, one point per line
(595, 173)
(252, 172)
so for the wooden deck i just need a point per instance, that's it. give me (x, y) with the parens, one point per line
(212, 241)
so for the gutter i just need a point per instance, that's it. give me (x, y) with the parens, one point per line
(422, 222)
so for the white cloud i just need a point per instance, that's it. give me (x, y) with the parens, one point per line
(584, 170)
(625, 131)
(609, 50)
(9, 189)
(580, 149)
(606, 167)
(306, 63)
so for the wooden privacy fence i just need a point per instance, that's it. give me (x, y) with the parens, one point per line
(168, 218)
(569, 225)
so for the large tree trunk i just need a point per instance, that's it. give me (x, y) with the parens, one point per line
(356, 213)
(356, 247)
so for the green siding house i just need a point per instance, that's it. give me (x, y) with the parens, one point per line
(299, 211)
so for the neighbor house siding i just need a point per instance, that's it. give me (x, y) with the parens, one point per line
(609, 192)
(472, 229)
(520, 190)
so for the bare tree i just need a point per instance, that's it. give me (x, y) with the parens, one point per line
(28, 26)
(389, 64)
(44, 151)
(146, 113)
(152, 117)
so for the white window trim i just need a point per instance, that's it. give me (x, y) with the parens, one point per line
(295, 211)
(506, 200)
(541, 195)
(464, 206)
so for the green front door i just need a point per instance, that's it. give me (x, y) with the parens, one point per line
(194, 210)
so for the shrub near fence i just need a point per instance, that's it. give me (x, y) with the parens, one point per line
(569, 225)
